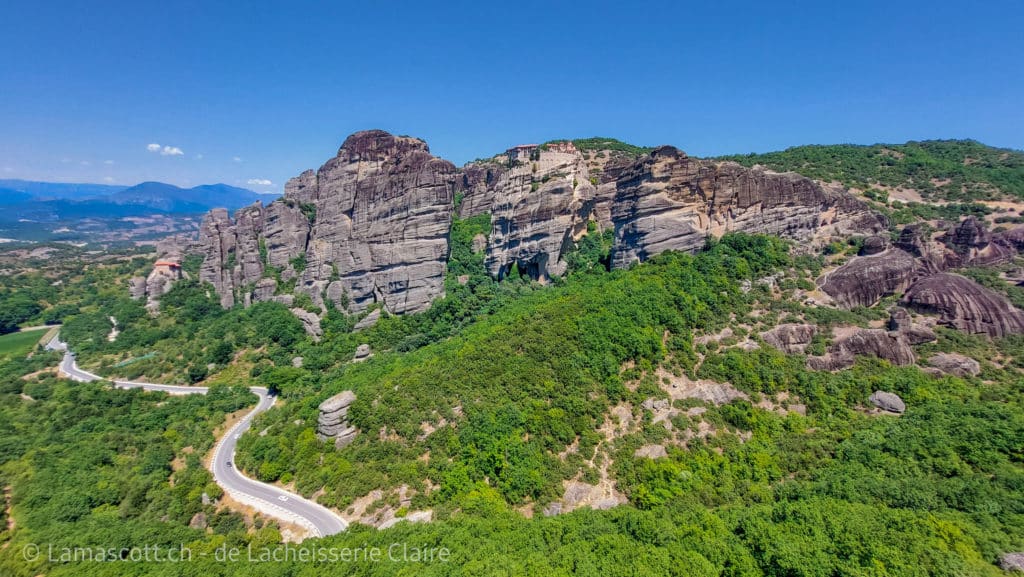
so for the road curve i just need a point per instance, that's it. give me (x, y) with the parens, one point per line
(266, 498)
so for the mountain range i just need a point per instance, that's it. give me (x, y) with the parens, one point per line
(52, 202)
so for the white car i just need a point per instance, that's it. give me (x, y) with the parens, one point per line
(282, 498)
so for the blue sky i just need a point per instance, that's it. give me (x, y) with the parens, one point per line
(247, 91)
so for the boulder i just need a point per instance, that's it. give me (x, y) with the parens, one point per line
(955, 364)
(790, 338)
(890, 402)
(198, 521)
(362, 352)
(964, 304)
(368, 321)
(866, 279)
(1012, 562)
(874, 244)
(310, 322)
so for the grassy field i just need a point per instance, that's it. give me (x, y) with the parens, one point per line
(19, 343)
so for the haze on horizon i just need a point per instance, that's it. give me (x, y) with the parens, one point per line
(251, 95)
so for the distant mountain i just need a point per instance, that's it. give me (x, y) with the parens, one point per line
(172, 199)
(58, 190)
(57, 201)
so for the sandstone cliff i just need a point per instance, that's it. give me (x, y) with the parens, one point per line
(371, 225)
(660, 201)
(669, 201)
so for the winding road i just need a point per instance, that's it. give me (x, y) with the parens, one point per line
(266, 498)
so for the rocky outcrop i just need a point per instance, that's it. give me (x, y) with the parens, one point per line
(137, 287)
(380, 235)
(160, 280)
(310, 322)
(955, 364)
(538, 206)
(669, 201)
(217, 241)
(901, 322)
(890, 346)
(661, 201)
(362, 353)
(790, 338)
(371, 226)
(890, 402)
(866, 279)
(1012, 562)
(332, 422)
(973, 245)
(368, 321)
(874, 245)
(964, 304)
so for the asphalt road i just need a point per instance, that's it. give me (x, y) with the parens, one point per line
(267, 498)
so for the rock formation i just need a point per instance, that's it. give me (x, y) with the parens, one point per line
(886, 345)
(964, 304)
(955, 364)
(538, 205)
(166, 271)
(866, 279)
(890, 402)
(371, 225)
(973, 245)
(901, 322)
(332, 422)
(668, 201)
(661, 201)
(790, 337)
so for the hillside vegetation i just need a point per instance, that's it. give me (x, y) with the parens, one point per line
(516, 384)
(954, 170)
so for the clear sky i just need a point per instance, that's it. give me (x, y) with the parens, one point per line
(259, 91)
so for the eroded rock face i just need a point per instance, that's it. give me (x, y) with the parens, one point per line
(217, 241)
(866, 279)
(310, 322)
(332, 422)
(371, 225)
(383, 211)
(973, 245)
(668, 201)
(890, 346)
(656, 202)
(964, 304)
(790, 337)
(538, 206)
(901, 322)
